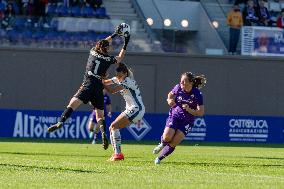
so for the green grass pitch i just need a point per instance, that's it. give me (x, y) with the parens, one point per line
(80, 165)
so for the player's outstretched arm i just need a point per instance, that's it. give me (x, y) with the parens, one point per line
(121, 54)
(113, 90)
(116, 32)
(107, 81)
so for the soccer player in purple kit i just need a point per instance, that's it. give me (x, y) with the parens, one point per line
(186, 102)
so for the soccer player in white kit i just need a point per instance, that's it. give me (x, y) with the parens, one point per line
(134, 110)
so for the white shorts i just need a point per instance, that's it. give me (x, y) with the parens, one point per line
(134, 114)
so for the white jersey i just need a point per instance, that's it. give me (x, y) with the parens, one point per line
(130, 93)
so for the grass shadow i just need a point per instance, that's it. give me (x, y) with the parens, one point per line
(268, 158)
(50, 154)
(214, 164)
(32, 167)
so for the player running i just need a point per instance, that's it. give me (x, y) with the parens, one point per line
(91, 89)
(92, 124)
(134, 110)
(186, 102)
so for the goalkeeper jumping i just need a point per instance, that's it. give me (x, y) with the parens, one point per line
(92, 87)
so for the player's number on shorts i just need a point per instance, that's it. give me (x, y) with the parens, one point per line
(97, 66)
(130, 111)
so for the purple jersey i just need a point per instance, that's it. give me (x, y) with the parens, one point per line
(193, 98)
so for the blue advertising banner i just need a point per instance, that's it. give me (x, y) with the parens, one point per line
(210, 128)
(262, 41)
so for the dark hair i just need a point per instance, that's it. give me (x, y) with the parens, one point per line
(198, 81)
(101, 46)
(124, 69)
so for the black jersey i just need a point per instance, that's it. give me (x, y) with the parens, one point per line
(97, 67)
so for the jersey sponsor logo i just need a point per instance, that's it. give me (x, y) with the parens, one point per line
(31, 126)
(248, 130)
(100, 56)
(139, 129)
(179, 98)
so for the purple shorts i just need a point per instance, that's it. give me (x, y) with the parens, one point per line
(183, 125)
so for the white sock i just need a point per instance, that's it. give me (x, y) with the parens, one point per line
(111, 141)
(116, 141)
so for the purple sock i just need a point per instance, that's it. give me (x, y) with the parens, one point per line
(163, 142)
(167, 150)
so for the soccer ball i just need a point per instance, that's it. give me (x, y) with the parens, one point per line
(125, 30)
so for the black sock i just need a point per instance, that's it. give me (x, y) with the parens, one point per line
(66, 114)
(102, 125)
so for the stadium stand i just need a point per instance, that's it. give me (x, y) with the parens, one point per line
(218, 10)
(65, 22)
(81, 23)
(78, 25)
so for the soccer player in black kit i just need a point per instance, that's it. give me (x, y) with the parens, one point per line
(92, 87)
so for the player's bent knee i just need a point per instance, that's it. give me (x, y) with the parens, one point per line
(114, 126)
(167, 138)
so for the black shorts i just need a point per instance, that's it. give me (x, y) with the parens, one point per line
(93, 94)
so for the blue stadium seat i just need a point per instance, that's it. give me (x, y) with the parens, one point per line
(101, 13)
(76, 11)
(51, 9)
(20, 23)
(62, 10)
(27, 37)
(52, 39)
(78, 36)
(88, 12)
(65, 36)
(38, 35)
(2, 6)
(14, 36)
(3, 35)
(167, 46)
(51, 36)
(180, 48)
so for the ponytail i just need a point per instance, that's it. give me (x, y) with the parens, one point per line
(198, 81)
